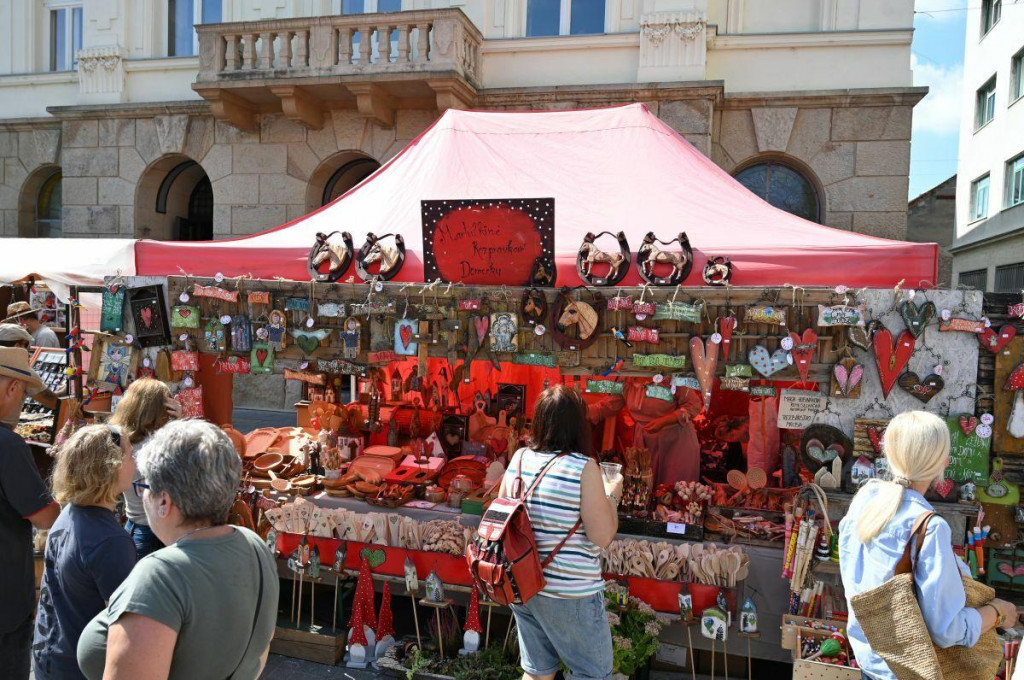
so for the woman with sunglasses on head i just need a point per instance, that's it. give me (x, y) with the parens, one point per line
(88, 554)
(206, 605)
(145, 407)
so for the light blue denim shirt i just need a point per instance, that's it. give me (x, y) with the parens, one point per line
(936, 575)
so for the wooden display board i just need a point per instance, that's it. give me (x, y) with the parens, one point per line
(442, 306)
(1007, 360)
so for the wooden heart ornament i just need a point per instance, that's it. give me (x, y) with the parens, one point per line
(875, 436)
(846, 376)
(803, 350)
(767, 364)
(373, 556)
(995, 341)
(705, 361)
(891, 359)
(726, 324)
(822, 445)
(922, 389)
(917, 318)
(968, 424)
(861, 336)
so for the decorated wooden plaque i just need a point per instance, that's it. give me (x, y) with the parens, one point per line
(498, 241)
(969, 451)
(1007, 359)
(867, 437)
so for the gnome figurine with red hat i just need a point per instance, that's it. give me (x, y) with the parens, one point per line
(361, 636)
(385, 624)
(473, 629)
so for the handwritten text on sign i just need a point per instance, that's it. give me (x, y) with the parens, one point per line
(968, 454)
(798, 408)
(488, 241)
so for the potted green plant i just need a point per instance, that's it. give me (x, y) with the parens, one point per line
(635, 631)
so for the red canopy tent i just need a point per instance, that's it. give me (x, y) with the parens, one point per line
(610, 169)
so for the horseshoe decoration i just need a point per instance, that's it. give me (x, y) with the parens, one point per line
(589, 255)
(650, 256)
(718, 271)
(534, 306)
(338, 256)
(389, 256)
(585, 316)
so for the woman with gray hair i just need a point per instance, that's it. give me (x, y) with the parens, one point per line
(206, 605)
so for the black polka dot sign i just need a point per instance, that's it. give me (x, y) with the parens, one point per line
(507, 241)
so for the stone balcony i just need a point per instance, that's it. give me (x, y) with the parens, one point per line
(375, 63)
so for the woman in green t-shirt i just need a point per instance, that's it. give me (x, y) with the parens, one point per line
(205, 606)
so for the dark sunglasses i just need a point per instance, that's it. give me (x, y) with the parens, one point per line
(138, 487)
(115, 434)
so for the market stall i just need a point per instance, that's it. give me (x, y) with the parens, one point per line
(740, 364)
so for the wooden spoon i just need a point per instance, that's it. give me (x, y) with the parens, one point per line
(278, 484)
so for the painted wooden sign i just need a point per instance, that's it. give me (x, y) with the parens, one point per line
(499, 241)
(659, 360)
(968, 452)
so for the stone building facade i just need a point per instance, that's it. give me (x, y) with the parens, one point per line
(242, 152)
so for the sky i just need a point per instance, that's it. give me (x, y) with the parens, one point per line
(937, 60)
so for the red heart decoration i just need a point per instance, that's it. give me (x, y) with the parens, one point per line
(993, 341)
(184, 312)
(261, 356)
(481, 323)
(725, 326)
(147, 316)
(875, 435)
(891, 359)
(803, 351)
(944, 488)
(405, 335)
(967, 424)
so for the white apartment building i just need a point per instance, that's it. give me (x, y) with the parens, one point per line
(988, 252)
(122, 118)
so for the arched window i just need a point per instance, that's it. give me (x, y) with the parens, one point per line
(49, 207)
(783, 187)
(347, 176)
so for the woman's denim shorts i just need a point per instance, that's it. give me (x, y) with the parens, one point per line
(571, 631)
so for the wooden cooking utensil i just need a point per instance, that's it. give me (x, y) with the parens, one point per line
(278, 484)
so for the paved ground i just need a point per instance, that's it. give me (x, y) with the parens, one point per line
(283, 668)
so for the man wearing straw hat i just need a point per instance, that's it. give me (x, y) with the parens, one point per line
(26, 316)
(24, 503)
(13, 335)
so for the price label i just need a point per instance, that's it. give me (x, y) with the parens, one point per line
(676, 528)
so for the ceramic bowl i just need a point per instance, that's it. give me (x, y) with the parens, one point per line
(268, 461)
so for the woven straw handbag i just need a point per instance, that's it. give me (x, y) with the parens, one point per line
(891, 619)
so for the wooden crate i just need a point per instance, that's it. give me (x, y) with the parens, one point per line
(304, 644)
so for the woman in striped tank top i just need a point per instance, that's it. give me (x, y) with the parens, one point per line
(565, 622)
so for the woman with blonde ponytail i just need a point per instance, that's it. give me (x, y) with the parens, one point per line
(877, 527)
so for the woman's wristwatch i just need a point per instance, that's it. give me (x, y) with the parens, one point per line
(613, 498)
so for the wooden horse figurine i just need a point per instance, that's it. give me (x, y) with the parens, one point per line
(651, 255)
(589, 255)
(718, 271)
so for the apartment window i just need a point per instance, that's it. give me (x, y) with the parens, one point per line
(975, 279)
(1010, 278)
(1015, 181)
(979, 198)
(370, 6)
(564, 17)
(182, 17)
(990, 13)
(65, 38)
(986, 103)
(1017, 76)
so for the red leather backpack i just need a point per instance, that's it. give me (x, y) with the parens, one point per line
(503, 559)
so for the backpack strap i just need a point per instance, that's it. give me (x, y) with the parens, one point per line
(920, 528)
(529, 492)
(518, 484)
